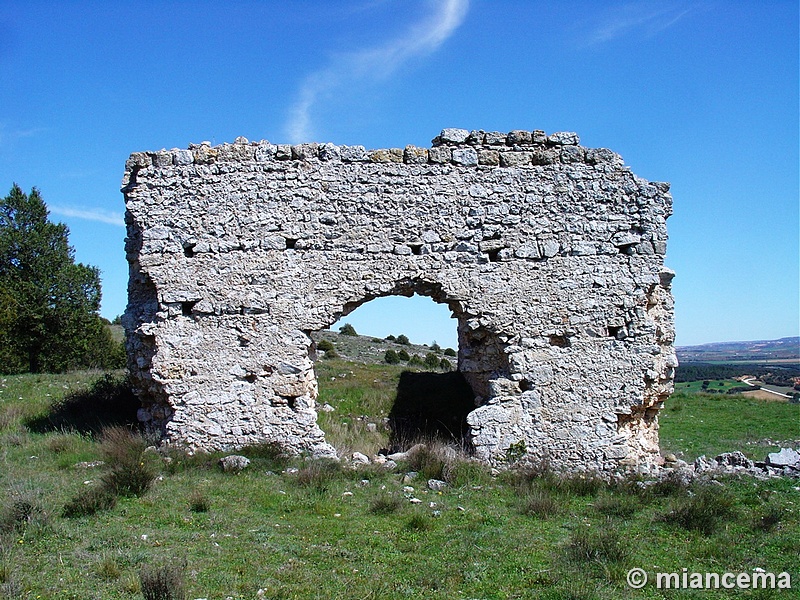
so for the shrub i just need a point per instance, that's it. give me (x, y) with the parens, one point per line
(390, 338)
(163, 582)
(108, 569)
(403, 355)
(385, 505)
(430, 462)
(415, 361)
(403, 340)
(131, 473)
(418, 523)
(703, 511)
(435, 347)
(431, 360)
(328, 348)
(89, 501)
(445, 365)
(604, 546)
(391, 357)
(450, 352)
(769, 517)
(20, 509)
(199, 502)
(347, 329)
(616, 505)
(318, 474)
(580, 485)
(540, 503)
(516, 451)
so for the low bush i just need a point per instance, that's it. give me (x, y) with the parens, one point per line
(89, 501)
(540, 503)
(318, 474)
(199, 502)
(385, 505)
(131, 472)
(604, 546)
(769, 517)
(703, 511)
(616, 505)
(163, 582)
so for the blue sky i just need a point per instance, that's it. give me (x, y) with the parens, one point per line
(701, 94)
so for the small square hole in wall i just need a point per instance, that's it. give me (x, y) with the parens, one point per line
(416, 249)
(290, 243)
(186, 307)
(615, 332)
(559, 341)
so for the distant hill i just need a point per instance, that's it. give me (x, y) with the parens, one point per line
(369, 350)
(782, 350)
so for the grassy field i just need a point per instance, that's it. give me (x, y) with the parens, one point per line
(326, 531)
(720, 386)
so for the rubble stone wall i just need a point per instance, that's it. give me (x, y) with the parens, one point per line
(549, 254)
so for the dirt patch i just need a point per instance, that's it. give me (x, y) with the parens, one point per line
(765, 395)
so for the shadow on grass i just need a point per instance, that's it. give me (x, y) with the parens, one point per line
(430, 406)
(108, 402)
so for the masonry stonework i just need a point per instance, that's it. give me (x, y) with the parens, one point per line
(549, 254)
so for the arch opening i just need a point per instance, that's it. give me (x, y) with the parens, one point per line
(381, 391)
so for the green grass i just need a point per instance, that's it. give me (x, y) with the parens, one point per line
(721, 386)
(324, 533)
(696, 424)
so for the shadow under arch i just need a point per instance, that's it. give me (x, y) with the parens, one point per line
(434, 404)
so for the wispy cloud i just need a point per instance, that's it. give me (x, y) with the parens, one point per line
(90, 214)
(645, 17)
(373, 64)
(9, 136)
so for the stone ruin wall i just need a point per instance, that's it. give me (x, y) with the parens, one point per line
(549, 254)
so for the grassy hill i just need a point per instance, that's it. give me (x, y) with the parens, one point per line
(290, 528)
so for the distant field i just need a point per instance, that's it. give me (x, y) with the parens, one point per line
(720, 386)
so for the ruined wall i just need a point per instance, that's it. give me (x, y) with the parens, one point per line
(550, 255)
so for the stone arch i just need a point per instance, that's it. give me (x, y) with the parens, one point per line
(551, 253)
(481, 356)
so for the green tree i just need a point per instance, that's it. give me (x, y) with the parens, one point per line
(347, 329)
(431, 360)
(450, 352)
(401, 339)
(403, 355)
(391, 357)
(435, 347)
(49, 304)
(445, 365)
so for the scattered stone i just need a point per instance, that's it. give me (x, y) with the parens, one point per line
(360, 459)
(372, 427)
(436, 485)
(89, 464)
(734, 459)
(390, 465)
(326, 408)
(234, 463)
(408, 489)
(415, 501)
(785, 458)
(410, 476)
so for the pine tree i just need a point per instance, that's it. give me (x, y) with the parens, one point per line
(49, 304)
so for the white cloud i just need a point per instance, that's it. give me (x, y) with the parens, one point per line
(101, 216)
(372, 64)
(646, 17)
